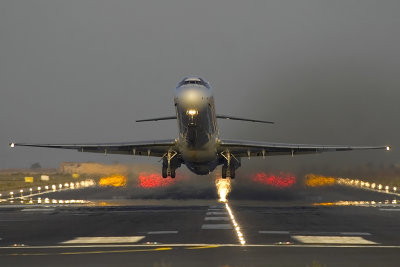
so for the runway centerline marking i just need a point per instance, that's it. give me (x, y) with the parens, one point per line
(333, 240)
(104, 240)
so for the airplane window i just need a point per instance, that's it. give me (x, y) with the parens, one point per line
(190, 81)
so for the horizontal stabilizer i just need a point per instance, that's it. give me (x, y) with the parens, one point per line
(159, 119)
(241, 119)
(218, 116)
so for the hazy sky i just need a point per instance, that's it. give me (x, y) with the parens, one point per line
(328, 72)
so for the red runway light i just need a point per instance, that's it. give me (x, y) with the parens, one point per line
(281, 180)
(153, 180)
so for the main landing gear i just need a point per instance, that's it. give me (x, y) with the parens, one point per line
(228, 172)
(170, 164)
(165, 171)
(230, 165)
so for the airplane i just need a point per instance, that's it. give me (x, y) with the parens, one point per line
(198, 145)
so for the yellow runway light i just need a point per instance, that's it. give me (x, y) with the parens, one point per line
(114, 180)
(28, 179)
(313, 180)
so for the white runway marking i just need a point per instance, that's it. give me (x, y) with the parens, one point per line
(104, 240)
(389, 209)
(224, 226)
(274, 232)
(314, 233)
(216, 207)
(216, 213)
(161, 232)
(38, 210)
(216, 219)
(354, 233)
(306, 233)
(333, 240)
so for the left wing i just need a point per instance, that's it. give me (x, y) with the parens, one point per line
(219, 116)
(155, 148)
(256, 149)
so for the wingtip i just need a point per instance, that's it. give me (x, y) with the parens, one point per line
(388, 148)
(12, 145)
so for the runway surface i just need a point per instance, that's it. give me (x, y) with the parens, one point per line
(335, 226)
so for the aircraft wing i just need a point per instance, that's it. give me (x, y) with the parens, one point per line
(155, 148)
(259, 149)
(219, 116)
(159, 119)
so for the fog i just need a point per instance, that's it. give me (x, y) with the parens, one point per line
(83, 71)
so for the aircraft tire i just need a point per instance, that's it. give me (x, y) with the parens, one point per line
(224, 172)
(173, 173)
(164, 172)
(233, 174)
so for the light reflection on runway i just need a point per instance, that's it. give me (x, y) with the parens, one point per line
(391, 203)
(44, 201)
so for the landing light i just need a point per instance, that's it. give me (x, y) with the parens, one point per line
(192, 112)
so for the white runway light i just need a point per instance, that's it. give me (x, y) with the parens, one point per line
(237, 227)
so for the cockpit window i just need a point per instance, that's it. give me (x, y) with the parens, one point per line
(198, 81)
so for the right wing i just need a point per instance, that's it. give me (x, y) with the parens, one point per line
(155, 148)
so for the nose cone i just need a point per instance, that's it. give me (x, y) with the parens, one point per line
(192, 97)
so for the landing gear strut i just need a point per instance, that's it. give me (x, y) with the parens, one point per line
(168, 169)
(229, 167)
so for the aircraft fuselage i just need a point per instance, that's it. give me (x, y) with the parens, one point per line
(197, 123)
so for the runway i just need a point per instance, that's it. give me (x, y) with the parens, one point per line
(311, 227)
